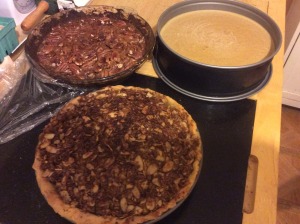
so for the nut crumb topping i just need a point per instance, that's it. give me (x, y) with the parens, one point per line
(118, 152)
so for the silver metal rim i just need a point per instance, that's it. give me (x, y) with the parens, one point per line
(186, 92)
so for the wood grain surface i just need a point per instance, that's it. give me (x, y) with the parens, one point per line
(266, 133)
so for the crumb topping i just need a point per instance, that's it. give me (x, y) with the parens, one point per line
(118, 152)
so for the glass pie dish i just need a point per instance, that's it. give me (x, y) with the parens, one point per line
(89, 45)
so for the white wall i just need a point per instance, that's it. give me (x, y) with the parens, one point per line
(291, 81)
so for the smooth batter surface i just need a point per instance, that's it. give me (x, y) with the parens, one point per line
(217, 38)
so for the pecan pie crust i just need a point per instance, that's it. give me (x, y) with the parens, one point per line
(118, 155)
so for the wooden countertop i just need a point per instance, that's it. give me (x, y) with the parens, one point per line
(260, 203)
(261, 189)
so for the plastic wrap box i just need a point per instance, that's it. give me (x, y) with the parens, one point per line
(8, 37)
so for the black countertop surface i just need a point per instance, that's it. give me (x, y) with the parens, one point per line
(226, 132)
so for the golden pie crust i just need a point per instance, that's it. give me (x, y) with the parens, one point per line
(118, 155)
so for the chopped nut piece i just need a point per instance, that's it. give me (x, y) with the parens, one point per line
(152, 169)
(75, 191)
(141, 137)
(91, 203)
(45, 144)
(90, 166)
(158, 130)
(47, 173)
(150, 204)
(100, 96)
(65, 196)
(145, 109)
(113, 114)
(138, 210)
(100, 149)
(123, 95)
(69, 161)
(120, 65)
(139, 162)
(129, 186)
(123, 204)
(86, 118)
(95, 188)
(49, 136)
(144, 185)
(61, 136)
(130, 208)
(177, 181)
(149, 95)
(168, 146)
(81, 187)
(109, 162)
(87, 155)
(51, 149)
(136, 193)
(156, 182)
(168, 166)
(160, 156)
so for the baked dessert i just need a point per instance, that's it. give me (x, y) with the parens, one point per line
(90, 44)
(217, 37)
(118, 155)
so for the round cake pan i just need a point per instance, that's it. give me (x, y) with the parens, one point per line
(213, 82)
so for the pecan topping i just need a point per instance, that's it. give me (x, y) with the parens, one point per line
(91, 46)
(118, 152)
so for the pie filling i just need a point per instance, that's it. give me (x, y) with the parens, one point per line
(119, 152)
(91, 46)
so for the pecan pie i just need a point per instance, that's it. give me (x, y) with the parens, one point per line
(118, 155)
(90, 44)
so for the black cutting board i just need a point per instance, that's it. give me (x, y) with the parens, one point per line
(226, 132)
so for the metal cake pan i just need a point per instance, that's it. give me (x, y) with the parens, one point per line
(213, 82)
